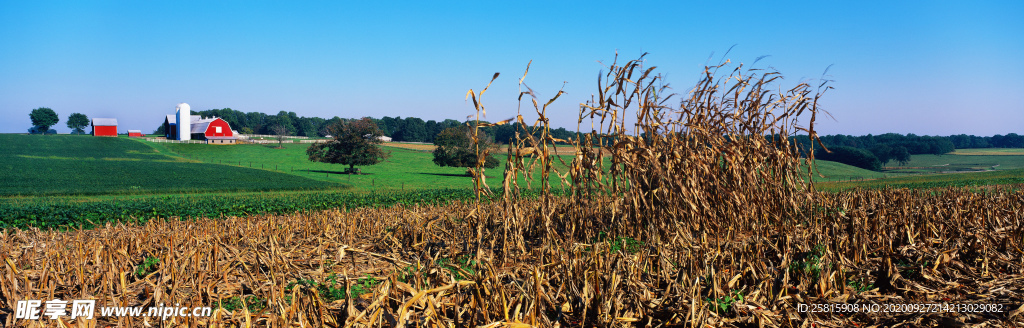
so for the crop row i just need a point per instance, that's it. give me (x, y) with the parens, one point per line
(63, 213)
(47, 214)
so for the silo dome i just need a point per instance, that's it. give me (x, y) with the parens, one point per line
(183, 107)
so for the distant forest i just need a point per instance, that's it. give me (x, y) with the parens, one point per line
(872, 152)
(889, 146)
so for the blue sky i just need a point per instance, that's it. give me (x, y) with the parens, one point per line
(927, 67)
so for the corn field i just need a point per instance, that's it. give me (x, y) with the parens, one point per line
(683, 211)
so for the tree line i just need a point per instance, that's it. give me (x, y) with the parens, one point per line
(873, 152)
(408, 129)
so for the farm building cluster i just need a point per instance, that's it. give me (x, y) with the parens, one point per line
(213, 130)
(107, 127)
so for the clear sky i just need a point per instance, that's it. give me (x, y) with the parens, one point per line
(927, 67)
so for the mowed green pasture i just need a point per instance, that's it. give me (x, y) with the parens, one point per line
(990, 151)
(965, 179)
(35, 165)
(962, 160)
(405, 169)
(835, 171)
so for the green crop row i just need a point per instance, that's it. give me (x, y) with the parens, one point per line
(63, 213)
(59, 214)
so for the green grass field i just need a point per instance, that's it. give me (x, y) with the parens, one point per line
(964, 167)
(990, 151)
(962, 160)
(86, 165)
(971, 179)
(835, 171)
(406, 168)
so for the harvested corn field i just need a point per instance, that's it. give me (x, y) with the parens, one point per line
(422, 266)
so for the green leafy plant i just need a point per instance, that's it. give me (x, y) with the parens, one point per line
(626, 244)
(811, 264)
(331, 290)
(147, 266)
(252, 302)
(723, 304)
(860, 285)
(406, 273)
(459, 266)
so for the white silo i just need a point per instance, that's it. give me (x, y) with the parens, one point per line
(184, 117)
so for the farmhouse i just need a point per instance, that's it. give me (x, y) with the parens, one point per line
(135, 133)
(213, 129)
(106, 127)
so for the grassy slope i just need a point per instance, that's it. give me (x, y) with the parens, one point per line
(835, 171)
(955, 162)
(86, 165)
(931, 171)
(972, 179)
(406, 168)
(990, 151)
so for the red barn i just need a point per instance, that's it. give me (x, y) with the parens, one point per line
(214, 130)
(135, 133)
(106, 127)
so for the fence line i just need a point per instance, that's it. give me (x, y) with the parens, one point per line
(271, 136)
(289, 141)
(176, 141)
(249, 141)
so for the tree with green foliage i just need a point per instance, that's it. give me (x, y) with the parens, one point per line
(77, 123)
(901, 155)
(455, 148)
(355, 142)
(414, 130)
(851, 156)
(883, 152)
(43, 118)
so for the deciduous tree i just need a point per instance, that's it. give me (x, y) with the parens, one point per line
(355, 143)
(77, 123)
(455, 148)
(43, 118)
(280, 131)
